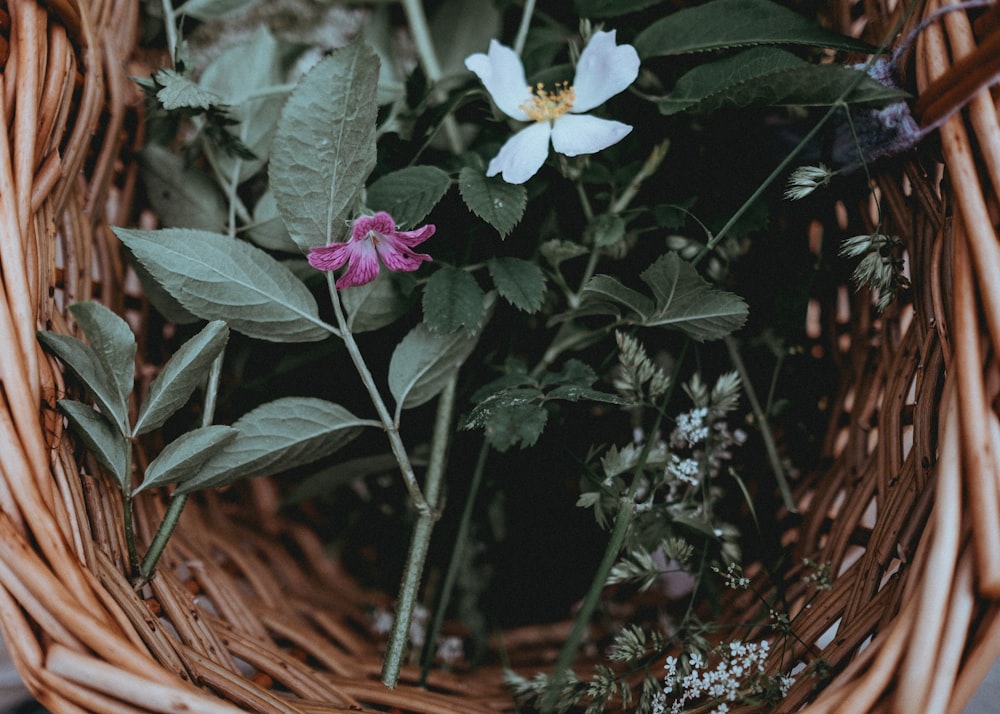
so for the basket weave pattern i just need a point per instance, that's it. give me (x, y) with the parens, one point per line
(247, 613)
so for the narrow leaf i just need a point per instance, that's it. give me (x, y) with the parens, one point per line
(83, 362)
(278, 436)
(182, 196)
(99, 436)
(519, 282)
(326, 481)
(184, 457)
(723, 24)
(497, 202)
(324, 148)
(379, 303)
(409, 194)
(611, 8)
(452, 300)
(180, 376)
(219, 278)
(113, 343)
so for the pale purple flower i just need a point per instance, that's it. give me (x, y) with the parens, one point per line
(372, 238)
(603, 70)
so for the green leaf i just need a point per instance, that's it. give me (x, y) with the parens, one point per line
(213, 9)
(460, 28)
(326, 481)
(99, 436)
(424, 361)
(497, 202)
(519, 282)
(180, 376)
(605, 289)
(114, 345)
(452, 299)
(381, 302)
(184, 457)
(181, 195)
(278, 436)
(556, 251)
(84, 363)
(324, 148)
(268, 230)
(765, 76)
(723, 24)
(518, 424)
(606, 229)
(409, 194)
(611, 8)
(219, 278)
(178, 92)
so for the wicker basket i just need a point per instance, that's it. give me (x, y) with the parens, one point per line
(247, 613)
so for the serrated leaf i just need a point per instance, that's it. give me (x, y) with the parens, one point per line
(278, 436)
(603, 289)
(181, 195)
(219, 278)
(213, 9)
(424, 361)
(497, 202)
(181, 375)
(765, 76)
(409, 194)
(519, 282)
(184, 457)
(324, 148)
(378, 303)
(515, 424)
(84, 363)
(452, 300)
(723, 24)
(99, 436)
(114, 344)
(611, 8)
(178, 92)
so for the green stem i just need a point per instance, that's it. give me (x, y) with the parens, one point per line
(388, 423)
(133, 553)
(765, 428)
(522, 30)
(170, 28)
(410, 586)
(178, 501)
(454, 564)
(417, 21)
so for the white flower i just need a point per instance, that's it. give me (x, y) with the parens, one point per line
(604, 70)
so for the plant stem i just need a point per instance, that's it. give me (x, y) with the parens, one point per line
(388, 423)
(178, 501)
(417, 21)
(129, 525)
(522, 29)
(410, 586)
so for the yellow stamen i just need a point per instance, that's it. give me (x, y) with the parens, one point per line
(546, 106)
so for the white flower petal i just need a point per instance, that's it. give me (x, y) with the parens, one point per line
(575, 134)
(523, 154)
(604, 70)
(502, 73)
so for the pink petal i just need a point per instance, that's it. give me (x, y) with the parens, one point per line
(397, 256)
(502, 73)
(523, 154)
(329, 257)
(415, 237)
(363, 266)
(575, 134)
(603, 70)
(381, 222)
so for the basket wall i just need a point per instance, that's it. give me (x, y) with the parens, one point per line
(248, 613)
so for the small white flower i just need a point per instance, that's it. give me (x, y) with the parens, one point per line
(603, 70)
(806, 179)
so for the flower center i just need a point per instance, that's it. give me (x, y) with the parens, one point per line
(547, 106)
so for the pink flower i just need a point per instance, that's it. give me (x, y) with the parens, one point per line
(372, 237)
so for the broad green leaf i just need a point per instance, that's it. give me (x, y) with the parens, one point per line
(324, 148)
(519, 282)
(409, 194)
(178, 92)
(381, 302)
(497, 202)
(278, 436)
(180, 376)
(100, 438)
(611, 8)
(604, 288)
(326, 481)
(181, 195)
(765, 76)
(184, 457)
(163, 301)
(424, 361)
(606, 229)
(460, 28)
(84, 363)
(213, 9)
(510, 416)
(452, 300)
(723, 24)
(113, 343)
(268, 230)
(219, 278)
